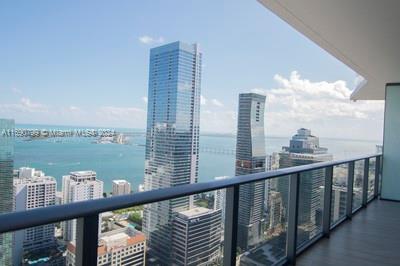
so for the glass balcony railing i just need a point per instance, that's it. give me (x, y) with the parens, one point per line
(339, 193)
(358, 184)
(371, 178)
(303, 204)
(265, 242)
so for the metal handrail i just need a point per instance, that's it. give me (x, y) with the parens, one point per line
(24, 219)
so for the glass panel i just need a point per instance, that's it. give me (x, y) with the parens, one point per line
(39, 245)
(182, 231)
(311, 205)
(371, 178)
(358, 184)
(339, 192)
(264, 242)
(121, 239)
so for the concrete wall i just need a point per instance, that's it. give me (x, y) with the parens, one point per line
(391, 144)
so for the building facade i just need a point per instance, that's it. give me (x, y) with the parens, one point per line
(79, 186)
(304, 149)
(250, 158)
(33, 189)
(120, 187)
(339, 198)
(6, 184)
(172, 137)
(196, 237)
(124, 246)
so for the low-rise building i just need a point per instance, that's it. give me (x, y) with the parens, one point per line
(124, 246)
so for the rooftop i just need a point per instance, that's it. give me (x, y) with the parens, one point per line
(120, 181)
(114, 239)
(82, 173)
(193, 213)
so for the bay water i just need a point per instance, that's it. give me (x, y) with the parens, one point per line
(59, 156)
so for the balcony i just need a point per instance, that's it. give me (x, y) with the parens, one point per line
(343, 212)
(370, 238)
(339, 235)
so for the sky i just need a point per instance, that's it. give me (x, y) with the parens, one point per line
(85, 63)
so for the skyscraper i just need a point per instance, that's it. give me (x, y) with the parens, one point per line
(304, 149)
(79, 186)
(250, 158)
(172, 137)
(6, 184)
(33, 189)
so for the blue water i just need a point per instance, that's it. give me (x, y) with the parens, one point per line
(59, 156)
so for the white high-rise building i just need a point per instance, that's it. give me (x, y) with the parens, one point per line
(32, 189)
(120, 187)
(79, 186)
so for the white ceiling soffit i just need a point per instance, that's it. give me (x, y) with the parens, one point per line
(363, 34)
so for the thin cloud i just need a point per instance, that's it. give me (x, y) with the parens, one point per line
(25, 105)
(16, 91)
(73, 108)
(121, 116)
(145, 99)
(218, 121)
(145, 39)
(217, 103)
(213, 102)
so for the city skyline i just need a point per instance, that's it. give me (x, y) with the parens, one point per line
(299, 79)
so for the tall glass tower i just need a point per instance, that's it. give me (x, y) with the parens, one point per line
(250, 158)
(6, 184)
(172, 138)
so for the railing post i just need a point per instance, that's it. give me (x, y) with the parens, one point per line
(326, 222)
(377, 174)
(365, 184)
(231, 225)
(293, 207)
(87, 234)
(350, 183)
